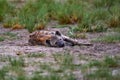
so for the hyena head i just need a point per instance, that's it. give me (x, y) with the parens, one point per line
(56, 40)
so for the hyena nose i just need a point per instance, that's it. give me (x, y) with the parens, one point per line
(60, 43)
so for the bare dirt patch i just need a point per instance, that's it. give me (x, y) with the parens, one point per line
(20, 44)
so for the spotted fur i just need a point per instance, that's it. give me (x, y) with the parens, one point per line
(47, 38)
(52, 39)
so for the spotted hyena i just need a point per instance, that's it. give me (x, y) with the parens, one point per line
(52, 39)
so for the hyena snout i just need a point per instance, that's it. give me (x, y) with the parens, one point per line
(60, 43)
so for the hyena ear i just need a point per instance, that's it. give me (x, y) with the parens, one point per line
(58, 33)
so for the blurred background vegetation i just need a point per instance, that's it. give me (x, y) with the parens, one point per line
(89, 15)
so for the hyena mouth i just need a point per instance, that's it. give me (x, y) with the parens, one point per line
(59, 43)
(56, 44)
(48, 43)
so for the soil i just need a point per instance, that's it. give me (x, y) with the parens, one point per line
(20, 44)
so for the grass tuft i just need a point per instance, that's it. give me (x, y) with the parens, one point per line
(36, 14)
(37, 55)
(103, 69)
(2, 38)
(110, 38)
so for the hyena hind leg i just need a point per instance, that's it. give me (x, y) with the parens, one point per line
(32, 42)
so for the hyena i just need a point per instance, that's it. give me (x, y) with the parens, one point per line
(52, 39)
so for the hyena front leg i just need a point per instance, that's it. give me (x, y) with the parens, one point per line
(75, 42)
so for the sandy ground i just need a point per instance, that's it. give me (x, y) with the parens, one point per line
(11, 47)
(20, 44)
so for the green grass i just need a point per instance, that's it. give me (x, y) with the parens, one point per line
(8, 35)
(110, 38)
(13, 70)
(36, 55)
(106, 62)
(61, 69)
(2, 38)
(17, 62)
(5, 9)
(87, 14)
(101, 73)
(65, 61)
(34, 13)
(116, 29)
(51, 77)
(103, 69)
(4, 58)
(3, 72)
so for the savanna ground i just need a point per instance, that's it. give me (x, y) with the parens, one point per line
(95, 21)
